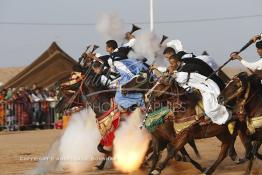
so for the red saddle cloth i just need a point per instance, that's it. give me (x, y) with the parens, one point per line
(107, 124)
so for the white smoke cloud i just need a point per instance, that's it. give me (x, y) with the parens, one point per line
(130, 144)
(49, 161)
(76, 150)
(79, 142)
(111, 26)
(147, 45)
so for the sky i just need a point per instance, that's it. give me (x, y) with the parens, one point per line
(28, 27)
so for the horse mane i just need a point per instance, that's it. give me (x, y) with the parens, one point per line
(255, 83)
(242, 76)
(190, 97)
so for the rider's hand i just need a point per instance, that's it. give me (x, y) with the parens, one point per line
(235, 56)
(84, 55)
(256, 37)
(91, 55)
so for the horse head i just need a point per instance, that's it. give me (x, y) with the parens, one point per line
(98, 96)
(88, 57)
(235, 88)
(162, 86)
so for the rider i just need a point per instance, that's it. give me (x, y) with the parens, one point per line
(256, 67)
(168, 52)
(107, 78)
(131, 40)
(128, 69)
(173, 64)
(177, 45)
(193, 73)
(208, 59)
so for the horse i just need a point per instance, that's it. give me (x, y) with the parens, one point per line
(83, 90)
(93, 93)
(246, 92)
(71, 91)
(168, 89)
(142, 84)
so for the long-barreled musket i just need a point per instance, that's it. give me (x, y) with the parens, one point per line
(81, 58)
(230, 59)
(134, 28)
(94, 48)
(164, 37)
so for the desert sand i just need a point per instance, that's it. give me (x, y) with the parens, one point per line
(16, 147)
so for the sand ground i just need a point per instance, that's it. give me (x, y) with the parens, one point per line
(16, 146)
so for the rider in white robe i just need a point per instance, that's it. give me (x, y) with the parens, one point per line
(254, 66)
(209, 91)
(193, 74)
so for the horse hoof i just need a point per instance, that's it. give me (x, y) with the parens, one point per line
(239, 161)
(206, 172)
(203, 170)
(97, 167)
(247, 173)
(94, 168)
(155, 172)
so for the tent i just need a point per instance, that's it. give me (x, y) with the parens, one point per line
(46, 70)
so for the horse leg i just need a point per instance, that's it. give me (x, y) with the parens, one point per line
(257, 146)
(194, 163)
(148, 157)
(170, 155)
(251, 158)
(155, 155)
(226, 140)
(249, 147)
(101, 149)
(179, 157)
(232, 151)
(179, 142)
(192, 143)
(255, 149)
(102, 164)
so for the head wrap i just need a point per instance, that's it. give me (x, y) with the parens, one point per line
(259, 44)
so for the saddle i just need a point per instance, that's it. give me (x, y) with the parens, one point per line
(158, 117)
(107, 124)
(181, 123)
(253, 124)
(138, 81)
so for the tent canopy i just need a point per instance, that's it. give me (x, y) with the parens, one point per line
(46, 70)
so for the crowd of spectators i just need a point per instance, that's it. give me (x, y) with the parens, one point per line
(27, 108)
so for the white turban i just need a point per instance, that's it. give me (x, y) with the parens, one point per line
(175, 44)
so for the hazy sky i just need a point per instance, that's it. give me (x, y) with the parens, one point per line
(188, 20)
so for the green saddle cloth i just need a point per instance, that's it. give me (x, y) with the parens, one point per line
(156, 118)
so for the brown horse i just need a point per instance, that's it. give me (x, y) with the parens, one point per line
(71, 91)
(99, 98)
(71, 88)
(142, 84)
(168, 89)
(246, 93)
(86, 91)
